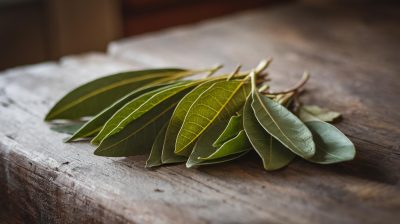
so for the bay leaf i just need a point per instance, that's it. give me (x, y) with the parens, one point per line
(220, 101)
(203, 147)
(168, 154)
(283, 125)
(332, 146)
(92, 97)
(312, 112)
(156, 150)
(235, 125)
(137, 137)
(274, 155)
(235, 145)
(94, 125)
(68, 128)
(139, 106)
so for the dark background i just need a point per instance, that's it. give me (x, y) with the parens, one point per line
(32, 31)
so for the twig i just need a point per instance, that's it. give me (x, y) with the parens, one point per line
(302, 82)
(235, 72)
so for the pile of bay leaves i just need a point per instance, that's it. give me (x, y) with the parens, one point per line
(174, 119)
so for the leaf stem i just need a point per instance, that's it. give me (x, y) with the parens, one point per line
(262, 66)
(298, 86)
(235, 72)
(263, 88)
(212, 71)
(252, 76)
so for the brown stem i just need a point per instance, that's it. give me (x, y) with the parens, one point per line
(298, 86)
(214, 70)
(235, 72)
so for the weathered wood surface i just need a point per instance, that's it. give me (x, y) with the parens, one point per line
(352, 53)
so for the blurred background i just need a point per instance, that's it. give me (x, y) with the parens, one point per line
(37, 30)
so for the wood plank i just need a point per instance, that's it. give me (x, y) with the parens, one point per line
(45, 180)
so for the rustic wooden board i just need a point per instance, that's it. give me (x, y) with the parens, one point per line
(353, 56)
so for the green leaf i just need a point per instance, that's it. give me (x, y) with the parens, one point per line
(156, 150)
(237, 144)
(138, 136)
(168, 154)
(69, 128)
(273, 154)
(331, 144)
(92, 97)
(312, 113)
(203, 148)
(139, 106)
(235, 125)
(94, 125)
(220, 101)
(283, 125)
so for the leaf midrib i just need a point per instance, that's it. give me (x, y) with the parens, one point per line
(104, 89)
(214, 117)
(141, 128)
(123, 121)
(279, 128)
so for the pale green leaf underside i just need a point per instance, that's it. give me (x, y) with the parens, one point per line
(283, 125)
(92, 97)
(220, 101)
(312, 113)
(235, 125)
(331, 144)
(168, 154)
(274, 155)
(156, 150)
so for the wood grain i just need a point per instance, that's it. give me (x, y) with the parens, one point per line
(353, 57)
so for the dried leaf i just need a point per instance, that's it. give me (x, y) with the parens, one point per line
(156, 150)
(312, 113)
(168, 154)
(332, 146)
(139, 106)
(273, 154)
(94, 125)
(92, 97)
(203, 148)
(235, 125)
(68, 128)
(220, 101)
(138, 136)
(283, 125)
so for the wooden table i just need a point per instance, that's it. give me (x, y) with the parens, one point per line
(352, 52)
